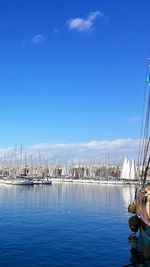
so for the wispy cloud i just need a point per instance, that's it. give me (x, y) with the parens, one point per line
(84, 24)
(134, 118)
(38, 38)
(56, 30)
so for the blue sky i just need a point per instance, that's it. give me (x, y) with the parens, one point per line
(72, 71)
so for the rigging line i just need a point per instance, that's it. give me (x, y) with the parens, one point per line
(146, 170)
(145, 160)
(146, 131)
(140, 152)
(144, 141)
(145, 148)
(145, 157)
(147, 115)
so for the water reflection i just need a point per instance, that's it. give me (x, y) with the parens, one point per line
(139, 241)
(81, 193)
(128, 194)
(138, 259)
(66, 224)
(78, 193)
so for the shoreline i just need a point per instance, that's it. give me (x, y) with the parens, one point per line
(92, 181)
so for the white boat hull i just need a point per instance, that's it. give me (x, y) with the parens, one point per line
(22, 182)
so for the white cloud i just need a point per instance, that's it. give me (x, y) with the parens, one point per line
(80, 24)
(87, 150)
(84, 24)
(38, 38)
(95, 15)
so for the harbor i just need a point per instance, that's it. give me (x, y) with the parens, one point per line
(74, 133)
(127, 173)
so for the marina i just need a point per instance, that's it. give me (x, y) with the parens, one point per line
(75, 133)
(125, 173)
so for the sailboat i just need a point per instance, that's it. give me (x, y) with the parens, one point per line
(129, 171)
(140, 222)
(125, 171)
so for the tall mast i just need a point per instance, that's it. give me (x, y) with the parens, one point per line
(144, 153)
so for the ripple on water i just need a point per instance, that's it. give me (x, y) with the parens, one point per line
(64, 225)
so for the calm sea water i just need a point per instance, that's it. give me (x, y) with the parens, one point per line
(64, 224)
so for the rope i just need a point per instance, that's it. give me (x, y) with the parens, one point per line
(146, 170)
(145, 141)
(142, 127)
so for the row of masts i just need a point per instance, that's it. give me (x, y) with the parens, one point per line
(18, 163)
(73, 170)
(77, 171)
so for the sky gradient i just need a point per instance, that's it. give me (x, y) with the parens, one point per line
(72, 71)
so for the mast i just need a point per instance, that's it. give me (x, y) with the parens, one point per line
(145, 135)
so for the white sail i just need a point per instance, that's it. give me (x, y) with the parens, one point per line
(133, 171)
(128, 172)
(64, 171)
(125, 171)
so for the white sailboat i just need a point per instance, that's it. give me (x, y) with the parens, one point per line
(133, 171)
(129, 170)
(125, 171)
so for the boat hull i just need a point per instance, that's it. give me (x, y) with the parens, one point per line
(22, 182)
(142, 202)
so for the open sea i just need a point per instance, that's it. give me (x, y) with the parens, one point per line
(65, 225)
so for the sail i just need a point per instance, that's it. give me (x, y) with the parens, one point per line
(133, 171)
(129, 170)
(125, 171)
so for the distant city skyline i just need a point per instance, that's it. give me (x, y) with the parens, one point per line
(73, 75)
